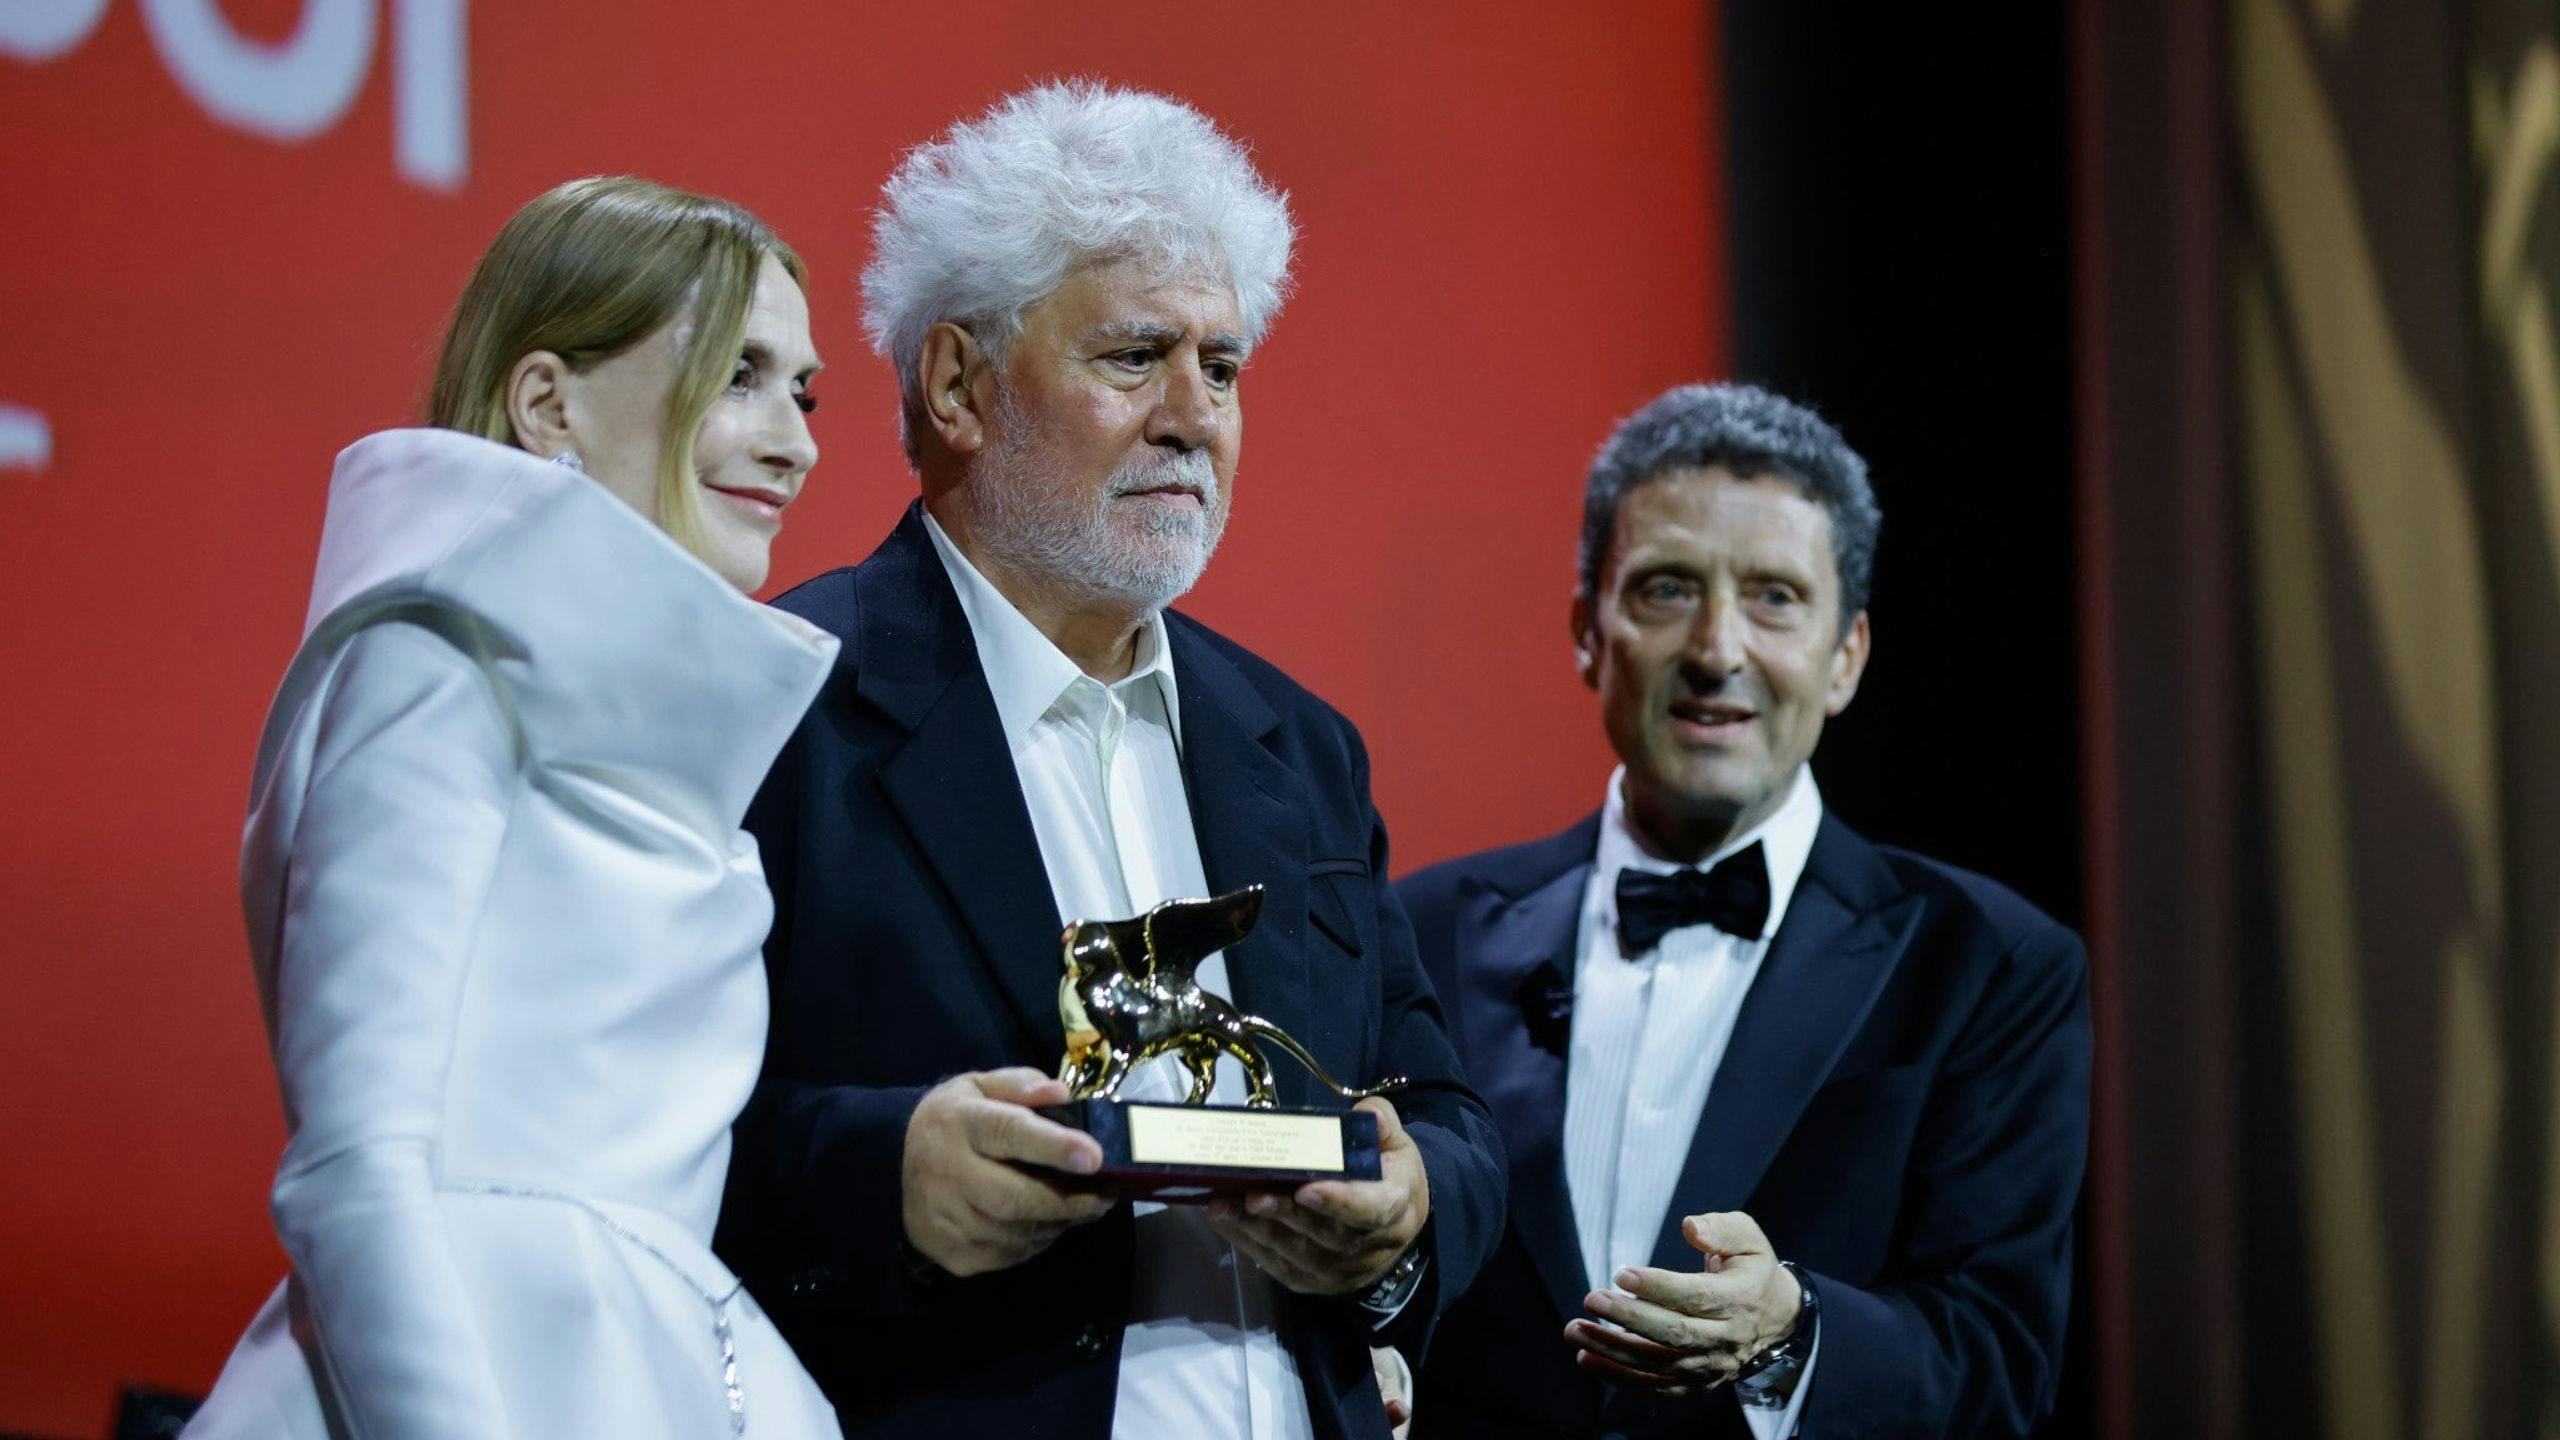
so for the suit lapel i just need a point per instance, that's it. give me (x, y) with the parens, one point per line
(952, 781)
(1249, 817)
(1843, 932)
(1521, 949)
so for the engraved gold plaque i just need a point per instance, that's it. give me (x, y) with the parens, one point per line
(1247, 1139)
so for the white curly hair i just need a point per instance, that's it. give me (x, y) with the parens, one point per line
(984, 222)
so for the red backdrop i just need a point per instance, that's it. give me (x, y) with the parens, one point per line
(231, 233)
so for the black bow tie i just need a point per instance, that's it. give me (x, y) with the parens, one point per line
(1733, 897)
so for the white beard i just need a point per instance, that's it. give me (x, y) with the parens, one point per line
(1037, 527)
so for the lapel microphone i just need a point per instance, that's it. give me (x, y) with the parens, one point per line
(1546, 1004)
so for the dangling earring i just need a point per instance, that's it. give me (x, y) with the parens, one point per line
(568, 460)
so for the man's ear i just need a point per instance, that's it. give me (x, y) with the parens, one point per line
(952, 376)
(1586, 642)
(1847, 664)
(538, 404)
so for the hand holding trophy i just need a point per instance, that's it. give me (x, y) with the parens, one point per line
(986, 1183)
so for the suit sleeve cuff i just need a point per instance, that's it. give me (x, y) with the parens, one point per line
(850, 1206)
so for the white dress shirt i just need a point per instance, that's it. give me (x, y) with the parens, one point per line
(1101, 771)
(1648, 1034)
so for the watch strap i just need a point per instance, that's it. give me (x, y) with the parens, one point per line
(1766, 1378)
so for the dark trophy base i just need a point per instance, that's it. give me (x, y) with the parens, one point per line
(1189, 1154)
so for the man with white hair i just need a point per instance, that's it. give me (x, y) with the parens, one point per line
(1019, 733)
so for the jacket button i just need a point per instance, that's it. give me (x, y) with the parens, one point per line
(809, 1282)
(1091, 1340)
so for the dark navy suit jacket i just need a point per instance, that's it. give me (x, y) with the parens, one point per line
(915, 936)
(1903, 1107)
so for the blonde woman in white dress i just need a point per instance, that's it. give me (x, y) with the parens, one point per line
(505, 925)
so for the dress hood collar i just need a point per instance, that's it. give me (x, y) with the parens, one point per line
(619, 652)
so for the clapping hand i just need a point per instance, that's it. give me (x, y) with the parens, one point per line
(1678, 1333)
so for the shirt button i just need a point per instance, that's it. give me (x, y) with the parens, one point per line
(1090, 1341)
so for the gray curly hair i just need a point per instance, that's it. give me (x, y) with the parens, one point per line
(1752, 433)
(984, 222)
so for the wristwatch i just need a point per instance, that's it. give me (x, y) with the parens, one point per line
(1388, 1295)
(1768, 1379)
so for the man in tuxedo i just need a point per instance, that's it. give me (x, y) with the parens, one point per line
(1795, 1121)
(1019, 734)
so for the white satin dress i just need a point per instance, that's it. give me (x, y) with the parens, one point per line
(507, 933)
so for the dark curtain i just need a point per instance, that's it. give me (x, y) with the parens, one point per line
(2320, 460)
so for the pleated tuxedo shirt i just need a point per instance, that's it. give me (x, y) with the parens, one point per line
(1648, 1033)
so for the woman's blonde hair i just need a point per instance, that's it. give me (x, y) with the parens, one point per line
(588, 269)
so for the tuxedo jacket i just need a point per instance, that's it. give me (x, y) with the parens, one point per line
(916, 936)
(1903, 1107)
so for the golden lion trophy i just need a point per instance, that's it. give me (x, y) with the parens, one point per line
(1129, 996)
